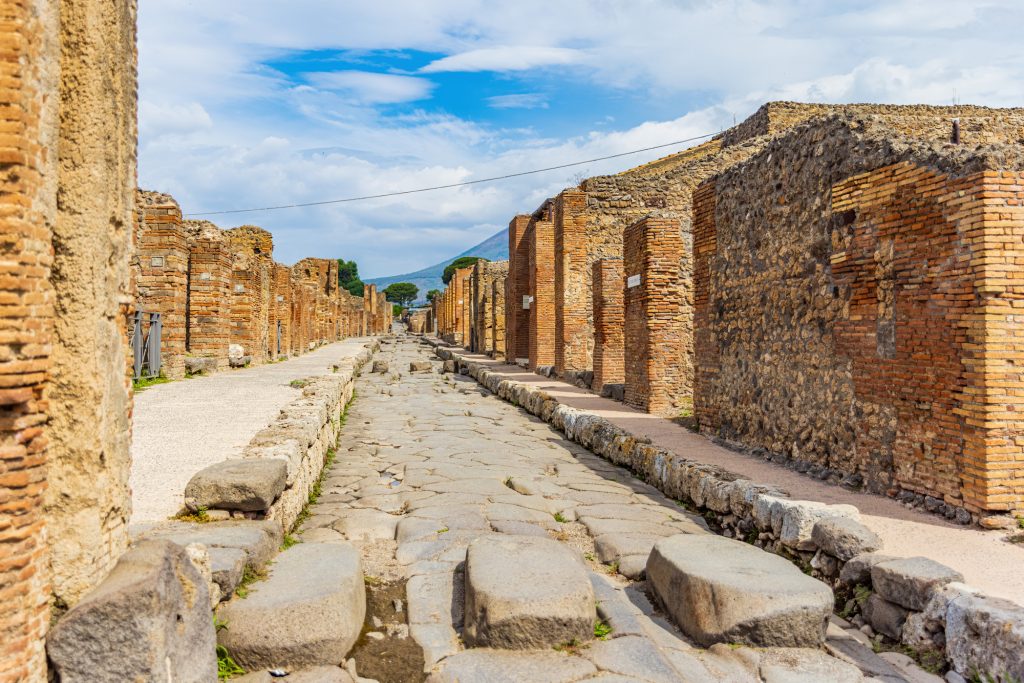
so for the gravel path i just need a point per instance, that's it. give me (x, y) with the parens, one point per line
(985, 558)
(181, 427)
(430, 466)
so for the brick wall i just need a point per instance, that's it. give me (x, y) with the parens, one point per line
(855, 311)
(28, 202)
(209, 293)
(281, 310)
(517, 318)
(251, 279)
(160, 270)
(657, 317)
(497, 349)
(609, 322)
(484, 274)
(541, 240)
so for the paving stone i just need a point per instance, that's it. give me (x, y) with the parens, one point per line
(317, 674)
(430, 598)
(321, 535)
(599, 527)
(632, 656)
(800, 665)
(721, 590)
(496, 511)
(501, 666)
(844, 538)
(437, 641)
(367, 525)
(633, 566)
(446, 500)
(613, 607)
(476, 486)
(504, 526)
(250, 485)
(308, 612)
(150, 615)
(631, 512)
(610, 547)
(908, 668)
(910, 581)
(541, 599)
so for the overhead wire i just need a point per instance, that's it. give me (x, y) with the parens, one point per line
(450, 185)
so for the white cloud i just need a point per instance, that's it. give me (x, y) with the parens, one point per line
(518, 101)
(172, 119)
(372, 88)
(506, 58)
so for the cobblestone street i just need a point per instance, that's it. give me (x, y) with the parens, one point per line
(431, 465)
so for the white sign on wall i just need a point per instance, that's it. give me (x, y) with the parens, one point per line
(205, 276)
(157, 262)
(527, 300)
(633, 281)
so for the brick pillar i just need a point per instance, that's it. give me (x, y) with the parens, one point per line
(281, 329)
(542, 287)
(28, 203)
(573, 332)
(161, 274)
(657, 376)
(608, 322)
(498, 318)
(517, 318)
(208, 332)
(467, 309)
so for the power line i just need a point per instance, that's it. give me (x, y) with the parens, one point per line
(444, 187)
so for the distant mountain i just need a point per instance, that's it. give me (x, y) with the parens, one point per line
(494, 248)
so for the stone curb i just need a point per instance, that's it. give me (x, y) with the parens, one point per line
(766, 517)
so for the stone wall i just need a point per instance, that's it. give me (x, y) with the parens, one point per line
(856, 312)
(485, 274)
(251, 278)
(609, 323)
(657, 317)
(88, 396)
(540, 239)
(498, 286)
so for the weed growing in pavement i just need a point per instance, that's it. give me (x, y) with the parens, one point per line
(289, 541)
(602, 630)
(143, 383)
(199, 516)
(249, 577)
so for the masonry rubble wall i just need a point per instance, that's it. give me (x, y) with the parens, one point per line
(485, 274)
(252, 264)
(885, 324)
(937, 613)
(498, 288)
(208, 297)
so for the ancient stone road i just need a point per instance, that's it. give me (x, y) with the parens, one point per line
(430, 463)
(181, 427)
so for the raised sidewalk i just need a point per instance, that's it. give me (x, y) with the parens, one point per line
(183, 426)
(987, 561)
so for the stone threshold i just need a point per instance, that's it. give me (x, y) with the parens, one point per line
(916, 602)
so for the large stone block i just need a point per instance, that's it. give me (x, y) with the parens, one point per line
(526, 592)
(910, 581)
(721, 590)
(148, 621)
(250, 485)
(308, 613)
(985, 635)
(844, 537)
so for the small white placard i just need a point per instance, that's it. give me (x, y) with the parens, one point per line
(527, 300)
(633, 281)
(239, 288)
(157, 262)
(205, 276)
(280, 297)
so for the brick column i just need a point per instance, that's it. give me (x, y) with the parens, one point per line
(209, 294)
(656, 368)
(498, 318)
(517, 318)
(542, 287)
(609, 321)
(573, 335)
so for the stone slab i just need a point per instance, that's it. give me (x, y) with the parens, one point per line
(309, 612)
(249, 485)
(723, 591)
(541, 599)
(910, 581)
(499, 666)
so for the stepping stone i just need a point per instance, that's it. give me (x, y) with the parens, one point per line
(599, 527)
(308, 613)
(249, 485)
(611, 547)
(524, 592)
(723, 591)
(151, 615)
(499, 666)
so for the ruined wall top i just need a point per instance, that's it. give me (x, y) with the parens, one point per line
(150, 198)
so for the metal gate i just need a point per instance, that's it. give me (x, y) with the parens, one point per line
(278, 338)
(146, 345)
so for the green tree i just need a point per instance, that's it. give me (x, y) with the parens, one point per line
(433, 294)
(348, 277)
(403, 293)
(396, 310)
(460, 262)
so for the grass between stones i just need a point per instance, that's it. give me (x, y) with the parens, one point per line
(143, 383)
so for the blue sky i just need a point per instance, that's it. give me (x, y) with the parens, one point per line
(257, 103)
